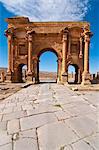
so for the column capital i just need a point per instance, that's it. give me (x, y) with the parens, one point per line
(64, 37)
(35, 58)
(65, 33)
(87, 38)
(59, 59)
(30, 38)
(9, 37)
(81, 38)
(9, 31)
(29, 34)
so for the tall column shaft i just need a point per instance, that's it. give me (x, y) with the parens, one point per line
(86, 75)
(64, 77)
(80, 54)
(59, 69)
(69, 47)
(36, 69)
(9, 54)
(64, 51)
(30, 54)
(12, 57)
(86, 54)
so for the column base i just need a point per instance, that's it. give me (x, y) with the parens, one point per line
(64, 78)
(86, 78)
(37, 80)
(29, 76)
(9, 77)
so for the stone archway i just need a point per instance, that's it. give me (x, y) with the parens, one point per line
(41, 53)
(70, 40)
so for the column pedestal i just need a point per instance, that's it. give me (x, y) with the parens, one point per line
(9, 77)
(79, 76)
(65, 78)
(30, 77)
(2, 77)
(86, 78)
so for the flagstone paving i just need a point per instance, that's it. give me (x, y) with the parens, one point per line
(50, 117)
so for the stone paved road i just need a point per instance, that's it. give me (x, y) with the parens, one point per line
(49, 117)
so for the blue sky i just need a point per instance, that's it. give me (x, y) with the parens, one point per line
(55, 10)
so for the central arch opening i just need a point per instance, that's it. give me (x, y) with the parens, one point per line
(48, 66)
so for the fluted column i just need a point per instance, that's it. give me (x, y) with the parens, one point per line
(9, 54)
(36, 68)
(29, 54)
(12, 57)
(59, 61)
(86, 54)
(64, 52)
(64, 55)
(81, 44)
(69, 47)
(86, 74)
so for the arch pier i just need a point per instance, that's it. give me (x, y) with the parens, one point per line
(27, 40)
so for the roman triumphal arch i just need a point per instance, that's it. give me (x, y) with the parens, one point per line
(28, 40)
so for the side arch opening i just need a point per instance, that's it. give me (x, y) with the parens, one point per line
(22, 73)
(73, 74)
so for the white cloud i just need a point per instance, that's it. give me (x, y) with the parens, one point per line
(48, 10)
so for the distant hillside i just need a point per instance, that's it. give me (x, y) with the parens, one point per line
(43, 74)
(3, 69)
(51, 75)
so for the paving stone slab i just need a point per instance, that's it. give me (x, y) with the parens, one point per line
(68, 148)
(37, 121)
(13, 126)
(3, 126)
(28, 134)
(62, 115)
(81, 145)
(83, 126)
(55, 135)
(5, 139)
(6, 147)
(43, 108)
(14, 115)
(0, 117)
(93, 141)
(25, 144)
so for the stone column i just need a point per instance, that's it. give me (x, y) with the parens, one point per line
(9, 54)
(79, 76)
(36, 71)
(80, 54)
(69, 47)
(64, 60)
(30, 54)
(29, 72)
(2, 77)
(12, 57)
(86, 75)
(9, 70)
(59, 61)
